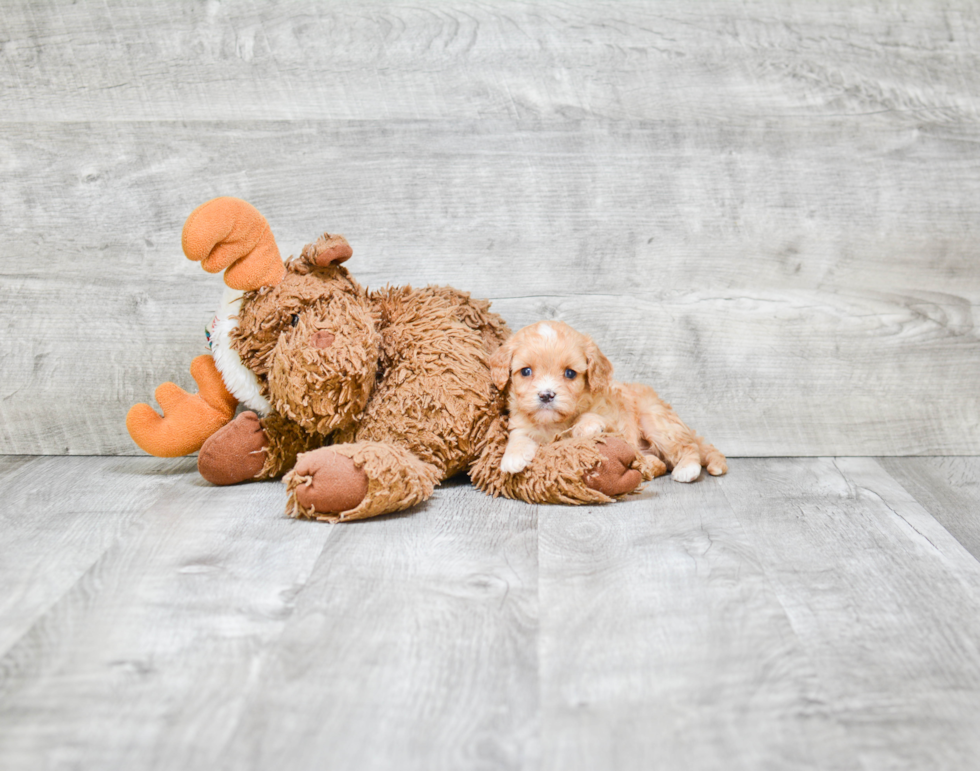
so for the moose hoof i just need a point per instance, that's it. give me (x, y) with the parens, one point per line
(235, 453)
(329, 483)
(612, 475)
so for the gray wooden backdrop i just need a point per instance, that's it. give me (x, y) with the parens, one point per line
(769, 210)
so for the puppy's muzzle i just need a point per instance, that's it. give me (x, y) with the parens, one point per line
(546, 397)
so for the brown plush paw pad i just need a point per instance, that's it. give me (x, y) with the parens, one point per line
(329, 483)
(613, 476)
(234, 453)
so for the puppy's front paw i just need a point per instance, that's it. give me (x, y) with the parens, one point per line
(686, 473)
(515, 461)
(588, 428)
(652, 467)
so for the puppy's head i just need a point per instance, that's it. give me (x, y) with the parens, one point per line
(550, 370)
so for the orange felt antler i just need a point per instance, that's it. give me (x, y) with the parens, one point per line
(188, 419)
(230, 233)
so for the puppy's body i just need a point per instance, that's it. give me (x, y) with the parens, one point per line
(559, 382)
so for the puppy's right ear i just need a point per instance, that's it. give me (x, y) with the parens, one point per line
(500, 364)
(600, 369)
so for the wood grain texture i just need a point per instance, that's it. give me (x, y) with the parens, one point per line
(413, 647)
(821, 340)
(766, 211)
(948, 489)
(797, 613)
(663, 644)
(408, 60)
(58, 520)
(884, 601)
(146, 659)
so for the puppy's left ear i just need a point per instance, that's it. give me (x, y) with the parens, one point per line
(599, 370)
(500, 364)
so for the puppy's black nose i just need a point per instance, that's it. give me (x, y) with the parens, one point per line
(546, 397)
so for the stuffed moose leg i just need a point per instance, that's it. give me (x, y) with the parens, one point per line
(358, 480)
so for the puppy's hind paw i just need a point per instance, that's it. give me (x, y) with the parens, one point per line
(717, 467)
(686, 473)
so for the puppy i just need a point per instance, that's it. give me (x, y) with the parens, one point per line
(559, 382)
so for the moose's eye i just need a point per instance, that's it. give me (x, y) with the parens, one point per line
(294, 319)
(571, 374)
(526, 372)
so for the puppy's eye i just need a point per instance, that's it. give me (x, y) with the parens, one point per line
(526, 372)
(571, 374)
(294, 319)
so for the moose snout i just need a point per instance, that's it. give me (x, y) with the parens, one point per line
(322, 339)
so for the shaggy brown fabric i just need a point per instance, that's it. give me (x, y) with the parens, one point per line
(400, 370)
(322, 388)
(396, 479)
(285, 442)
(571, 471)
(434, 396)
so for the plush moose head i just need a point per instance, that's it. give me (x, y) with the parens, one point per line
(297, 337)
(309, 342)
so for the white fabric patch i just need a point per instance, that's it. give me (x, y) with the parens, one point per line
(239, 379)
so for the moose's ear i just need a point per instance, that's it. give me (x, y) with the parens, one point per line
(500, 364)
(327, 250)
(599, 369)
(229, 234)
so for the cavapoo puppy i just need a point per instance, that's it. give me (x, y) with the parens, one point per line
(558, 381)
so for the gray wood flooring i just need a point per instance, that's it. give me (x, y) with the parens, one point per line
(819, 613)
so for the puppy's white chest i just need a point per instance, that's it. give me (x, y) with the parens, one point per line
(546, 434)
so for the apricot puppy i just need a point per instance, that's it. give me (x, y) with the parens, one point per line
(558, 381)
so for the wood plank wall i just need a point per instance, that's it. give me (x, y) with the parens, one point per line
(769, 210)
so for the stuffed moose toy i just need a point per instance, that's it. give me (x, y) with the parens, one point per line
(363, 401)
